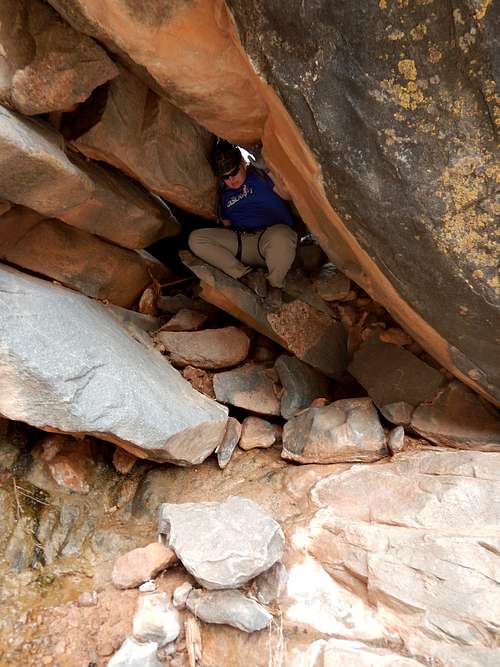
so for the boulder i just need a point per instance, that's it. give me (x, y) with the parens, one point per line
(345, 431)
(47, 65)
(211, 348)
(222, 544)
(135, 654)
(411, 218)
(211, 83)
(154, 142)
(457, 418)
(34, 169)
(301, 385)
(75, 258)
(155, 620)
(230, 608)
(231, 438)
(310, 334)
(139, 565)
(185, 320)
(72, 367)
(251, 387)
(256, 432)
(394, 378)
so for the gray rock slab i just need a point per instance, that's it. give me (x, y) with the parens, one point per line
(231, 438)
(301, 385)
(210, 348)
(68, 365)
(456, 417)
(394, 378)
(252, 387)
(222, 544)
(310, 334)
(229, 608)
(134, 654)
(347, 430)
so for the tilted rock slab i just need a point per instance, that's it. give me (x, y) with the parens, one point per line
(419, 538)
(154, 142)
(230, 608)
(46, 65)
(75, 258)
(210, 348)
(310, 334)
(252, 387)
(67, 365)
(301, 385)
(222, 544)
(347, 430)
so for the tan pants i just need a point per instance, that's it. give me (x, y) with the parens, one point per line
(273, 248)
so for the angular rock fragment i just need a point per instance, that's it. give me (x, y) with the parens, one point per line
(139, 565)
(330, 284)
(394, 378)
(311, 335)
(135, 654)
(71, 367)
(230, 608)
(252, 387)
(211, 348)
(345, 431)
(301, 385)
(69, 462)
(457, 418)
(123, 461)
(396, 440)
(155, 143)
(200, 380)
(47, 66)
(155, 620)
(75, 258)
(185, 320)
(222, 544)
(231, 438)
(256, 432)
(270, 584)
(181, 594)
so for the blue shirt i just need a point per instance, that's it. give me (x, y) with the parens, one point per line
(254, 205)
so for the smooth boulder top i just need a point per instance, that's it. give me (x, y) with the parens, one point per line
(66, 364)
(222, 544)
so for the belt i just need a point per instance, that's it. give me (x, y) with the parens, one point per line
(239, 235)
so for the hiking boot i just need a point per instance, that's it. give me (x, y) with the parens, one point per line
(256, 281)
(274, 299)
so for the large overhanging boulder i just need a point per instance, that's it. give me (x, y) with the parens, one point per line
(396, 102)
(186, 49)
(67, 365)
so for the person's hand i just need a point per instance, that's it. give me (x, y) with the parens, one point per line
(226, 223)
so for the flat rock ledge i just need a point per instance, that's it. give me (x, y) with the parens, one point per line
(222, 544)
(67, 365)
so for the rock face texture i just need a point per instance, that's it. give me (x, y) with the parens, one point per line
(68, 365)
(223, 545)
(45, 65)
(395, 101)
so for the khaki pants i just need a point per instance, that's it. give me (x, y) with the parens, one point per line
(273, 248)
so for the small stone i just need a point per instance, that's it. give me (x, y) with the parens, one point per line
(134, 654)
(256, 432)
(251, 387)
(148, 586)
(123, 460)
(230, 608)
(181, 594)
(396, 440)
(185, 320)
(231, 438)
(155, 620)
(139, 565)
(211, 348)
(87, 599)
(147, 302)
(199, 380)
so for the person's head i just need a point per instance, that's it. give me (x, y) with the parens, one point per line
(228, 164)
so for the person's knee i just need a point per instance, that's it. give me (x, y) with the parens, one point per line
(197, 238)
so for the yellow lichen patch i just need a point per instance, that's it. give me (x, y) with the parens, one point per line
(408, 69)
(383, 4)
(408, 97)
(418, 32)
(482, 9)
(457, 16)
(434, 55)
(396, 35)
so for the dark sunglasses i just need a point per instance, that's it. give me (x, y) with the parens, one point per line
(231, 173)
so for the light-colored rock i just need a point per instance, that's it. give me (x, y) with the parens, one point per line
(256, 432)
(211, 348)
(139, 565)
(71, 367)
(148, 586)
(231, 438)
(123, 460)
(301, 385)
(222, 544)
(181, 595)
(345, 431)
(185, 320)
(396, 440)
(155, 143)
(340, 653)
(155, 620)
(230, 608)
(310, 334)
(134, 654)
(34, 170)
(457, 418)
(46, 65)
(252, 387)
(270, 585)
(395, 379)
